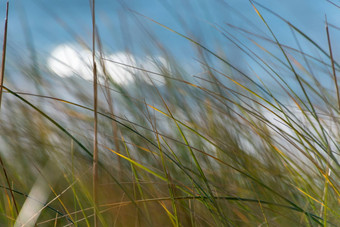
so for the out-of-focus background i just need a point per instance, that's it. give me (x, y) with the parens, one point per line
(210, 113)
(52, 28)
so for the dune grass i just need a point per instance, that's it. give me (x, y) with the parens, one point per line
(224, 147)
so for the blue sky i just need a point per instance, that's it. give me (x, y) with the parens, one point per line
(120, 29)
(197, 14)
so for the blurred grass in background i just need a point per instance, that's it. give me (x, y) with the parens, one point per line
(221, 147)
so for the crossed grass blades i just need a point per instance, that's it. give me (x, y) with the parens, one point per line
(219, 148)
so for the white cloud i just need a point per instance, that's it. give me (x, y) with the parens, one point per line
(68, 60)
(155, 65)
(64, 60)
(117, 66)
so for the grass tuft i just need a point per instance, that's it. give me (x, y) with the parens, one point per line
(221, 142)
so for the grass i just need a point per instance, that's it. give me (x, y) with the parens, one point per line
(225, 147)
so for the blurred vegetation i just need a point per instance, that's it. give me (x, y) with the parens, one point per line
(220, 148)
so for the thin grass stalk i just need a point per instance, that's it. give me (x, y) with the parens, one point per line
(4, 47)
(2, 76)
(137, 179)
(77, 141)
(56, 220)
(27, 196)
(297, 30)
(214, 204)
(323, 137)
(109, 100)
(77, 201)
(9, 186)
(193, 198)
(95, 104)
(333, 66)
(323, 209)
(173, 217)
(57, 197)
(333, 3)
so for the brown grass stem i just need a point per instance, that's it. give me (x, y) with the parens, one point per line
(2, 76)
(4, 47)
(333, 66)
(95, 105)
